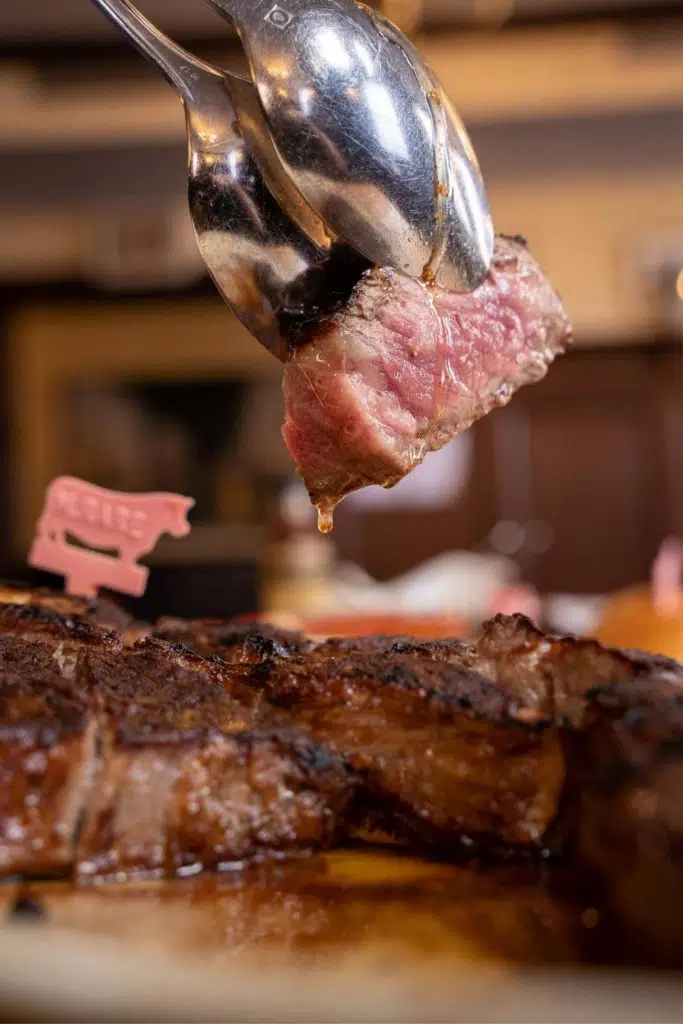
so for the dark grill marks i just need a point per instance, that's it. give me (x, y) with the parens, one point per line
(245, 642)
(438, 748)
(155, 686)
(485, 707)
(145, 743)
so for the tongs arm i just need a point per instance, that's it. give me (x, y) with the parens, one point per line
(187, 74)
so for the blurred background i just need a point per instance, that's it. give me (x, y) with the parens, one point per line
(121, 364)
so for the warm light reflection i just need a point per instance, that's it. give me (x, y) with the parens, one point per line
(332, 48)
(364, 56)
(679, 285)
(306, 97)
(279, 69)
(387, 123)
(235, 161)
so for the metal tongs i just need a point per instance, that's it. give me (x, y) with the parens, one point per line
(339, 152)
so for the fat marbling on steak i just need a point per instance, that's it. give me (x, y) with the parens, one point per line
(403, 367)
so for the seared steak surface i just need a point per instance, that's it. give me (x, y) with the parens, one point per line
(403, 368)
(427, 739)
(126, 754)
(123, 759)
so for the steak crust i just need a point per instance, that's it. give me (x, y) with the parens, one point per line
(628, 764)
(143, 745)
(182, 802)
(122, 756)
(555, 674)
(241, 642)
(427, 740)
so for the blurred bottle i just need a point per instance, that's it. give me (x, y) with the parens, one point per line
(298, 561)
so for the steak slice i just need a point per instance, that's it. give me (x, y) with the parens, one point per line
(628, 765)
(411, 716)
(444, 756)
(47, 764)
(555, 674)
(194, 775)
(145, 746)
(178, 803)
(48, 730)
(404, 367)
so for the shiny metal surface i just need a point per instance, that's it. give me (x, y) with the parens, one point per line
(340, 156)
(264, 265)
(367, 135)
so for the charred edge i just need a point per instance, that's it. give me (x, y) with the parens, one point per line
(37, 620)
(218, 639)
(502, 714)
(319, 294)
(317, 758)
(517, 239)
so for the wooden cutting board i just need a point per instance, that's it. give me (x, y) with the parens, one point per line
(357, 935)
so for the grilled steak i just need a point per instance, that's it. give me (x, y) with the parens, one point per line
(98, 611)
(403, 368)
(425, 735)
(428, 741)
(121, 756)
(183, 801)
(450, 739)
(628, 765)
(554, 674)
(47, 762)
(237, 642)
(145, 747)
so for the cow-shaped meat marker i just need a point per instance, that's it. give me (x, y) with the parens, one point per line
(131, 524)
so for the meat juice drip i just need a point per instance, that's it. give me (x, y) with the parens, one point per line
(325, 518)
(298, 562)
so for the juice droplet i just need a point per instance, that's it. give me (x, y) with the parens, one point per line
(325, 520)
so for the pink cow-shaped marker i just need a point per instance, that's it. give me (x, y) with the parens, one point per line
(109, 520)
